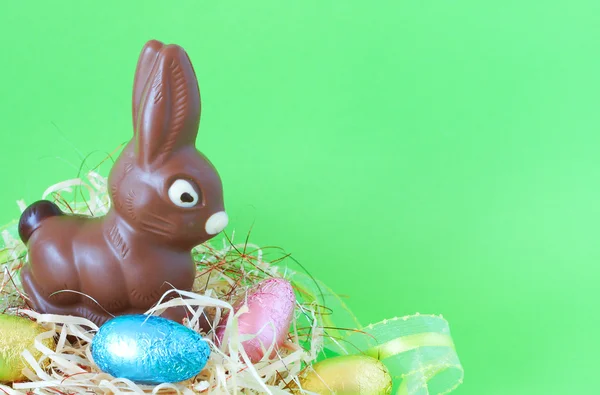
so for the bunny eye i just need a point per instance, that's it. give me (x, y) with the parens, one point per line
(183, 194)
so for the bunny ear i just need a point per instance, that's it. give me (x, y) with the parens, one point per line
(145, 63)
(169, 112)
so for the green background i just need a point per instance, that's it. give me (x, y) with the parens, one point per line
(417, 155)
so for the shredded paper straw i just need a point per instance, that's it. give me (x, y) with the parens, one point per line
(418, 350)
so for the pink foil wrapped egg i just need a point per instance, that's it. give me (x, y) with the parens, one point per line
(270, 311)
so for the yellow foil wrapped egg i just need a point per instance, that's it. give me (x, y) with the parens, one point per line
(18, 334)
(346, 375)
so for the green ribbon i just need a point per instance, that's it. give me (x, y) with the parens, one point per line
(410, 342)
(418, 350)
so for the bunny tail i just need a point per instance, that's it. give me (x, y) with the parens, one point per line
(34, 215)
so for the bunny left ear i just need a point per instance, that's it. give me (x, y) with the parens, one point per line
(145, 63)
(169, 112)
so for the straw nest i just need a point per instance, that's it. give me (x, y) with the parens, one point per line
(225, 270)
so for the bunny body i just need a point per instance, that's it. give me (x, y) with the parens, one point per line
(166, 198)
(110, 279)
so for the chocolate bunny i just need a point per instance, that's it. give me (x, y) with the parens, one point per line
(166, 198)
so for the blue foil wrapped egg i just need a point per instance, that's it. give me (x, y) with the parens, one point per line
(149, 350)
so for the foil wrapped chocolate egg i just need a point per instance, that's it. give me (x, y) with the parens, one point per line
(348, 374)
(271, 306)
(18, 334)
(149, 350)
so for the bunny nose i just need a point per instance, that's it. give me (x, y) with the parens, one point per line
(216, 223)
